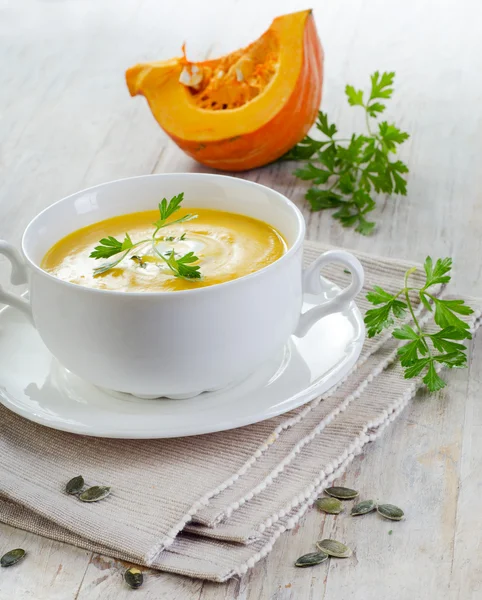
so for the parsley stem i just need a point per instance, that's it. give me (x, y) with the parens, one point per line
(406, 290)
(156, 251)
(174, 268)
(181, 267)
(367, 120)
(164, 224)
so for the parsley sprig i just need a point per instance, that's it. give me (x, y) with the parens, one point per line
(424, 349)
(181, 266)
(350, 170)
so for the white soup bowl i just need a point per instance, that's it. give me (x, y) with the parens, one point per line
(174, 344)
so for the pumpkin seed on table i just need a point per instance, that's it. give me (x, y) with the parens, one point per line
(75, 485)
(311, 559)
(334, 548)
(342, 493)
(332, 506)
(134, 578)
(95, 493)
(362, 508)
(390, 511)
(12, 557)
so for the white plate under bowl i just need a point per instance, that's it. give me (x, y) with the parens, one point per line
(34, 385)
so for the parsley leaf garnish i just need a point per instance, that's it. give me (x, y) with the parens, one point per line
(351, 170)
(181, 267)
(423, 349)
(377, 319)
(110, 246)
(167, 209)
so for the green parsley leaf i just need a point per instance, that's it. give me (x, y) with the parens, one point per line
(375, 108)
(416, 368)
(364, 227)
(355, 97)
(405, 332)
(452, 333)
(108, 266)
(110, 246)
(398, 183)
(328, 157)
(419, 351)
(432, 380)
(323, 125)
(368, 153)
(304, 150)
(182, 266)
(166, 210)
(346, 183)
(354, 167)
(310, 172)
(320, 199)
(443, 340)
(377, 319)
(127, 243)
(437, 274)
(452, 359)
(445, 313)
(409, 353)
(362, 201)
(391, 136)
(382, 85)
(379, 296)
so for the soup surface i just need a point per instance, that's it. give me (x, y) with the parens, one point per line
(227, 245)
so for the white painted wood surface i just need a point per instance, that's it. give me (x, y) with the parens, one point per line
(67, 122)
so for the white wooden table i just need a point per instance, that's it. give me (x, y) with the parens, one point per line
(67, 122)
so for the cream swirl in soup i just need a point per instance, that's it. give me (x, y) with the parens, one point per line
(227, 245)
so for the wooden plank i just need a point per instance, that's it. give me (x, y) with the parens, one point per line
(466, 569)
(104, 580)
(69, 123)
(51, 570)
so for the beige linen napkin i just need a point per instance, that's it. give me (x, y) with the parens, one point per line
(243, 487)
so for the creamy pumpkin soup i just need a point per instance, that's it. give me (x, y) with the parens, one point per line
(149, 252)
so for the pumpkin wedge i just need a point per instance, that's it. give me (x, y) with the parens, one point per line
(245, 109)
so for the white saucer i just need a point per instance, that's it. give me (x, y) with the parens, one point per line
(34, 385)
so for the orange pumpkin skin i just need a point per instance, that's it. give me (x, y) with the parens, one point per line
(222, 149)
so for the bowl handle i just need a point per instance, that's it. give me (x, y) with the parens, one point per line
(18, 277)
(312, 284)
